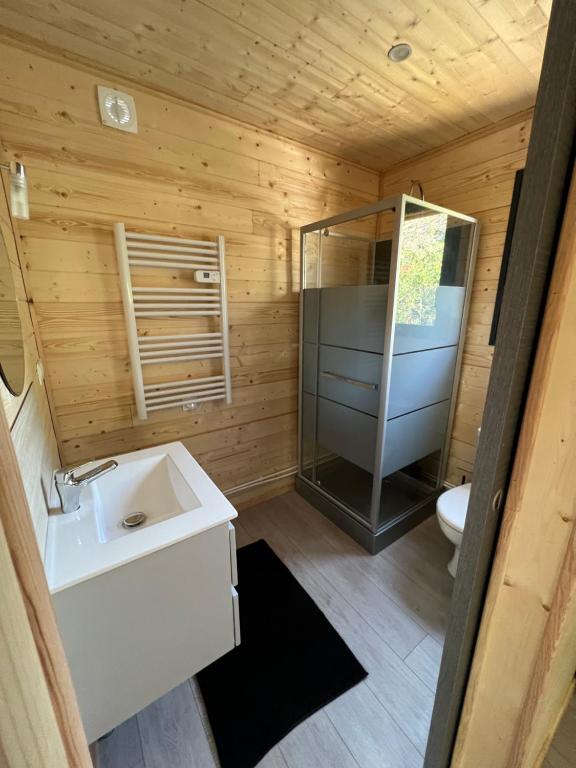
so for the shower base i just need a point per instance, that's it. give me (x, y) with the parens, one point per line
(405, 503)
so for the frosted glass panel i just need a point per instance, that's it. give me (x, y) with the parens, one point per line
(344, 319)
(430, 293)
(383, 297)
(354, 317)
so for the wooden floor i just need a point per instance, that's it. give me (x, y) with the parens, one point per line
(391, 609)
(562, 752)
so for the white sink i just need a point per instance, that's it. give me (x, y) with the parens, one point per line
(142, 610)
(153, 486)
(165, 483)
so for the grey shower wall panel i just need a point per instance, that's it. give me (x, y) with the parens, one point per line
(308, 404)
(350, 377)
(310, 299)
(354, 316)
(419, 379)
(309, 367)
(443, 332)
(352, 435)
(347, 433)
(414, 435)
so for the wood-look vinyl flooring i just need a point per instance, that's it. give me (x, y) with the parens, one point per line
(391, 609)
(562, 751)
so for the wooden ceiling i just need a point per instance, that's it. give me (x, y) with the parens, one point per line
(312, 70)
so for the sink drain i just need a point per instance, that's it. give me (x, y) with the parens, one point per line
(133, 520)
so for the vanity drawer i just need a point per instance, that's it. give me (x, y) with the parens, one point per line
(128, 646)
(233, 565)
(236, 616)
(350, 377)
(419, 379)
(414, 435)
(348, 433)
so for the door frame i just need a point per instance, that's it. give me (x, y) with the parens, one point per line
(35, 685)
(526, 648)
(534, 243)
(40, 723)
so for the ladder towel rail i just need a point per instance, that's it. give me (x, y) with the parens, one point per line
(139, 250)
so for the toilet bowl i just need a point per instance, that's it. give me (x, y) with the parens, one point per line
(451, 508)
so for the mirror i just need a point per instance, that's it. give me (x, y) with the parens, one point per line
(12, 361)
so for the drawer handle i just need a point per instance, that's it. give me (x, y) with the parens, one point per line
(347, 380)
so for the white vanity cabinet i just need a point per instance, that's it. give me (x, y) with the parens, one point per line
(133, 633)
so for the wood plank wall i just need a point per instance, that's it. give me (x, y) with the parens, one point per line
(187, 172)
(28, 415)
(474, 175)
(11, 403)
(193, 173)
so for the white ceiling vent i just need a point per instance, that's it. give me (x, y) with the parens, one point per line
(117, 109)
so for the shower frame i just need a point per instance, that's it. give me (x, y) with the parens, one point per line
(373, 536)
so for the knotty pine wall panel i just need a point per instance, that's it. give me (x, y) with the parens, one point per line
(475, 176)
(187, 172)
(27, 414)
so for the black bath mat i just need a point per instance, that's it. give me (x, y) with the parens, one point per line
(291, 662)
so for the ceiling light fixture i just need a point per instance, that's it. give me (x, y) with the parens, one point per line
(399, 52)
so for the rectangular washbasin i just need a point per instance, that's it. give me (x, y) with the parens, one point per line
(165, 483)
(153, 487)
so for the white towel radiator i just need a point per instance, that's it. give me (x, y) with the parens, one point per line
(205, 256)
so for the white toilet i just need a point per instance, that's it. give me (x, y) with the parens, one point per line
(451, 508)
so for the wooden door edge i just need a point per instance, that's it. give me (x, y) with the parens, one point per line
(49, 668)
(526, 635)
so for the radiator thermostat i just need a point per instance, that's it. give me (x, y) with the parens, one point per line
(205, 276)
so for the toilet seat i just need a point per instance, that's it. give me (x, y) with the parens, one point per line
(452, 506)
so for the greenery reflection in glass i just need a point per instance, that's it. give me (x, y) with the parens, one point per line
(420, 269)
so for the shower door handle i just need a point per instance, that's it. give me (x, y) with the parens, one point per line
(348, 380)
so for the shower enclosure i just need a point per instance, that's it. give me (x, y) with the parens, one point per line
(385, 292)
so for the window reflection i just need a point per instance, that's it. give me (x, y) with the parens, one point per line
(420, 269)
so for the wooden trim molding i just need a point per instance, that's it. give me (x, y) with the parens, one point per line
(29, 733)
(40, 723)
(526, 656)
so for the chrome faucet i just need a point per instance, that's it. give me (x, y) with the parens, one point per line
(69, 485)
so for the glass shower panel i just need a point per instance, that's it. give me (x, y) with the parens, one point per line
(344, 319)
(311, 244)
(430, 292)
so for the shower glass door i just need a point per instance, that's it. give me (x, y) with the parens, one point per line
(431, 275)
(344, 303)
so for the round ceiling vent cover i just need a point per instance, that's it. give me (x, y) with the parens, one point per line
(399, 52)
